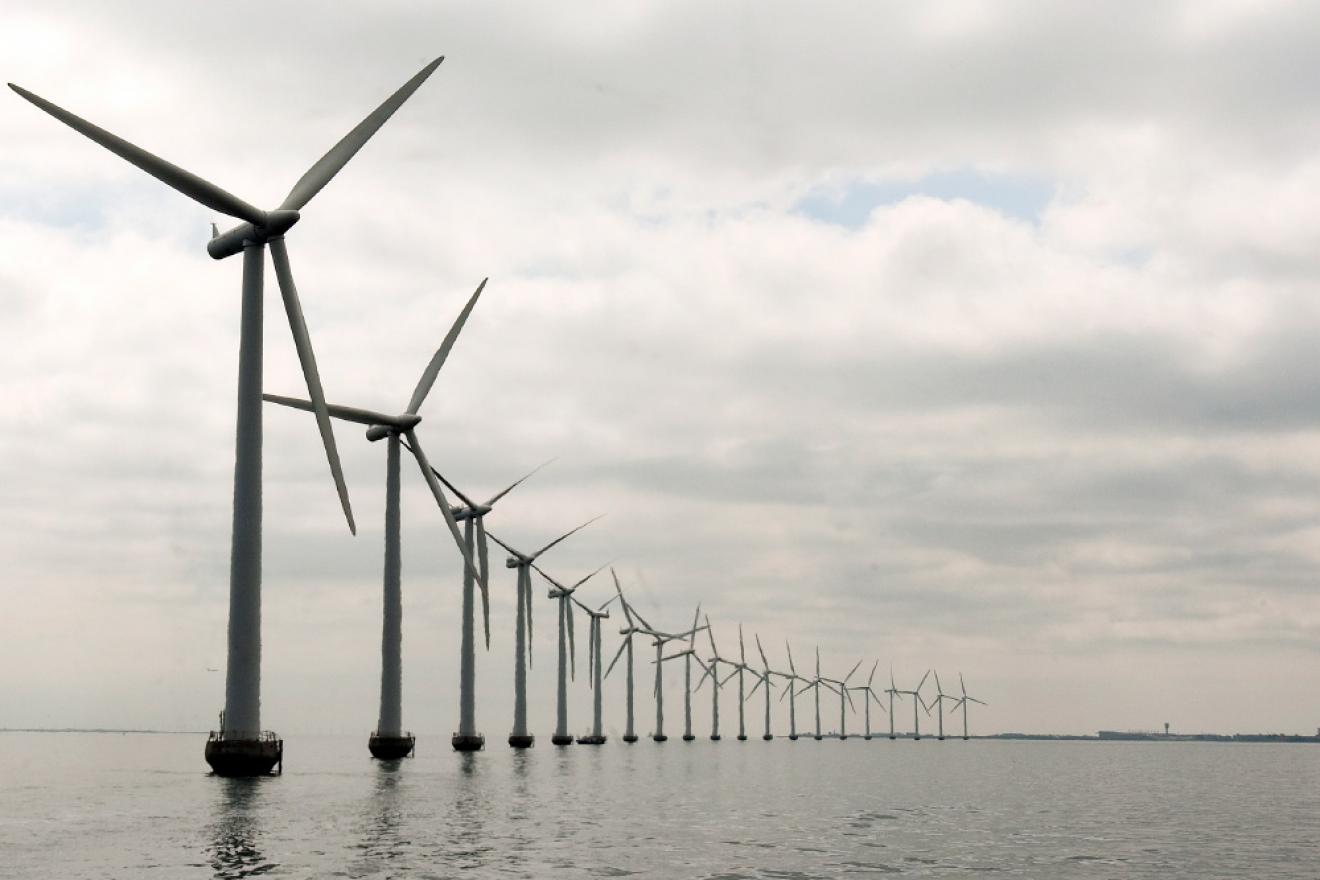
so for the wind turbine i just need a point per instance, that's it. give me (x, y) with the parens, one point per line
(791, 694)
(688, 655)
(519, 738)
(917, 701)
(892, 690)
(240, 747)
(662, 639)
(844, 696)
(629, 612)
(940, 697)
(870, 695)
(963, 701)
(473, 517)
(766, 672)
(712, 672)
(814, 685)
(597, 735)
(389, 741)
(567, 651)
(739, 668)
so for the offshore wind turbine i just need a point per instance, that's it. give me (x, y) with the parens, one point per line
(815, 685)
(567, 651)
(662, 639)
(597, 735)
(688, 655)
(940, 697)
(240, 747)
(766, 672)
(629, 613)
(870, 695)
(892, 690)
(963, 701)
(917, 701)
(473, 516)
(738, 669)
(389, 741)
(519, 738)
(791, 693)
(844, 696)
(712, 672)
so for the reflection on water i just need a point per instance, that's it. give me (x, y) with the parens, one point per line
(236, 830)
(467, 846)
(382, 815)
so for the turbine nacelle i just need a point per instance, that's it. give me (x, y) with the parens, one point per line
(399, 425)
(232, 241)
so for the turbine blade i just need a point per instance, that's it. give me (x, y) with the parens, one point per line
(759, 682)
(303, 342)
(938, 688)
(442, 353)
(978, 702)
(962, 684)
(434, 484)
(917, 689)
(617, 655)
(710, 633)
(761, 651)
(346, 413)
(627, 613)
(171, 175)
(850, 674)
(328, 165)
(588, 577)
(851, 704)
(527, 607)
(452, 488)
(483, 561)
(572, 641)
(515, 483)
(873, 669)
(791, 667)
(565, 535)
(556, 583)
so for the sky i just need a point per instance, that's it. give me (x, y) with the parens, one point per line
(967, 336)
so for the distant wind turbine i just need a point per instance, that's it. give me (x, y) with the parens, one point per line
(814, 684)
(241, 748)
(766, 672)
(870, 695)
(632, 617)
(567, 651)
(519, 738)
(791, 693)
(963, 701)
(845, 700)
(389, 741)
(917, 702)
(712, 672)
(688, 655)
(662, 639)
(940, 698)
(597, 735)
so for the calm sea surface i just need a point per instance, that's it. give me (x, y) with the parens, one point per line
(105, 805)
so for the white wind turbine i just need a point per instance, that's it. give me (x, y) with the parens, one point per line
(963, 701)
(870, 695)
(473, 516)
(815, 685)
(240, 747)
(662, 639)
(519, 738)
(845, 700)
(712, 672)
(688, 654)
(917, 701)
(389, 741)
(567, 651)
(791, 693)
(940, 697)
(738, 669)
(766, 672)
(629, 613)
(597, 735)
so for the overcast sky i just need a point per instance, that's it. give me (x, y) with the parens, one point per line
(974, 336)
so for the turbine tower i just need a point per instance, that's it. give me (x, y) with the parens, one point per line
(870, 695)
(712, 671)
(629, 613)
(519, 738)
(765, 674)
(662, 639)
(963, 701)
(567, 651)
(688, 655)
(473, 516)
(389, 741)
(240, 747)
(917, 701)
(738, 669)
(597, 735)
(814, 684)
(791, 693)
(940, 697)
(845, 700)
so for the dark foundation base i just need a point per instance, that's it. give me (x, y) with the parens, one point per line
(591, 740)
(891, 736)
(687, 737)
(915, 738)
(940, 738)
(867, 737)
(660, 737)
(818, 737)
(474, 742)
(630, 738)
(245, 757)
(391, 748)
(521, 740)
(767, 737)
(742, 737)
(793, 736)
(842, 737)
(563, 740)
(715, 737)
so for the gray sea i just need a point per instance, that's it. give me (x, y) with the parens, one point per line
(80, 805)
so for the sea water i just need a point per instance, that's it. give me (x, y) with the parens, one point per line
(75, 805)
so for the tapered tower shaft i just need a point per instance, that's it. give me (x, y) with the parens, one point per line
(714, 700)
(630, 731)
(792, 708)
(891, 714)
(390, 722)
(687, 696)
(868, 714)
(941, 711)
(520, 657)
(467, 661)
(659, 693)
(916, 719)
(561, 692)
(242, 718)
(742, 722)
(767, 705)
(596, 682)
(816, 691)
(843, 710)
(964, 708)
